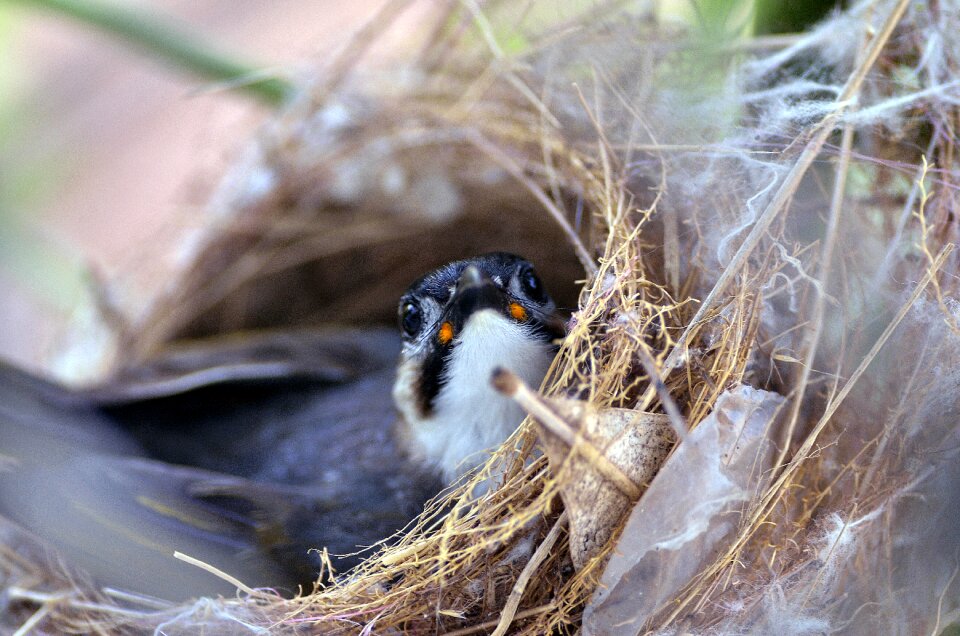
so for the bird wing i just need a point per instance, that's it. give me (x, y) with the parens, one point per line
(329, 354)
(121, 522)
(72, 474)
(70, 477)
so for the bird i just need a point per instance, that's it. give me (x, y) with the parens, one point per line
(459, 323)
(252, 452)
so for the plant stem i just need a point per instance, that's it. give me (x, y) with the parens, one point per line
(165, 40)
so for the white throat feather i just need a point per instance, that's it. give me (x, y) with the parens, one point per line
(469, 417)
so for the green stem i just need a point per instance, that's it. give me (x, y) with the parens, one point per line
(163, 39)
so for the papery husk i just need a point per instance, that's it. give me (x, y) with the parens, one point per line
(637, 443)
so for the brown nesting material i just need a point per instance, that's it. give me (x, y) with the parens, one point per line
(756, 219)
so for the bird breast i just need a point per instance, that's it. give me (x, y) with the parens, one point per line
(470, 417)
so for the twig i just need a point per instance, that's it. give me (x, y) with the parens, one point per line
(510, 385)
(812, 339)
(216, 572)
(360, 42)
(68, 599)
(875, 349)
(908, 205)
(936, 626)
(607, 150)
(33, 621)
(520, 586)
(829, 555)
(511, 166)
(763, 43)
(140, 599)
(16, 593)
(873, 466)
(677, 420)
(486, 31)
(482, 627)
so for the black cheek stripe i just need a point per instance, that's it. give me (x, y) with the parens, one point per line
(432, 379)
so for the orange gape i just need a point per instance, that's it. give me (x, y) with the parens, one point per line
(518, 312)
(446, 333)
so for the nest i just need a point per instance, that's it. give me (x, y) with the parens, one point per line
(763, 230)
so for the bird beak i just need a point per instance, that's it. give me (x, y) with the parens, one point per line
(475, 291)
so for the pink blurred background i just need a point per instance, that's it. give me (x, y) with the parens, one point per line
(107, 155)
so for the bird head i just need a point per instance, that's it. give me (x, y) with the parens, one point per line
(459, 323)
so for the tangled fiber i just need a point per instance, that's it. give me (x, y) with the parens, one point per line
(764, 233)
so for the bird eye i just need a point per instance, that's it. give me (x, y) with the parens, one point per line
(532, 287)
(410, 319)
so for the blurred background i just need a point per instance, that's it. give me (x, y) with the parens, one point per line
(108, 152)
